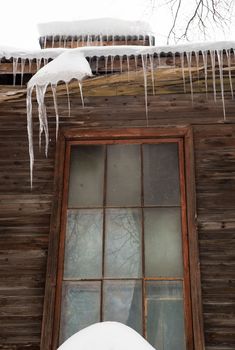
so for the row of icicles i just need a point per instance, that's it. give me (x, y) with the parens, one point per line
(220, 61)
(93, 40)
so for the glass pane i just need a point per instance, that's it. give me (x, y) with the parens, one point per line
(123, 243)
(165, 315)
(86, 176)
(123, 176)
(80, 307)
(163, 243)
(83, 245)
(161, 174)
(123, 303)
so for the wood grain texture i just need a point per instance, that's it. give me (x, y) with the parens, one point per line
(25, 213)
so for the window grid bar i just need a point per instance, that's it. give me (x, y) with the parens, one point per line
(103, 236)
(126, 207)
(124, 279)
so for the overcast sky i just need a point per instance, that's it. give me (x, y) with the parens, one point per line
(18, 25)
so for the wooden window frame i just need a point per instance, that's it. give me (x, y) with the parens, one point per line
(50, 324)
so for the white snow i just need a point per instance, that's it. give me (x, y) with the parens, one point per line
(13, 52)
(97, 26)
(71, 64)
(106, 336)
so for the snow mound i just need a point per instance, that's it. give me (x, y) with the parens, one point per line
(98, 26)
(106, 336)
(71, 64)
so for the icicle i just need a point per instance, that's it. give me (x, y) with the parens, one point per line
(159, 59)
(143, 58)
(65, 41)
(197, 66)
(228, 53)
(128, 67)
(97, 65)
(14, 67)
(72, 39)
(220, 62)
(212, 54)
(121, 58)
(152, 72)
(204, 56)
(69, 106)
(53, 41)
(173, 54)
(40, 94)
(45, 61)
(106, 64)
(101, 40)
(60, 37)
(136, 63)
(80, 88)
(182, 69)
(22, 71)
(38, 63)
(144, 40)
(45, 42)
(53, 88)
(30, 131)
(112, 59)
(30, 65)
(189, 59)
(112, 39)
(126, 40)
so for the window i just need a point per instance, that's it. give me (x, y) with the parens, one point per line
(123, 243)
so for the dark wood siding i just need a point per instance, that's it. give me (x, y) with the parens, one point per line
(25, 213)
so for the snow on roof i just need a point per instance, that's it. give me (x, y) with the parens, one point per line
(98, 26)
(71, 63)
(12, 52)
(106, 336)
(121, 50)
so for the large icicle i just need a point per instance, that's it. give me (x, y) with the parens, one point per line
(144, 65)
(212, 54)
(42, 114)
(204, 56)
(228, 53)
(189, 59)
(15, 66)
(182, 69)
(53, 88)
(30, 131)
(81, 94)
(220, 62)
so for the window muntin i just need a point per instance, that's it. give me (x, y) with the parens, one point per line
(132, 216)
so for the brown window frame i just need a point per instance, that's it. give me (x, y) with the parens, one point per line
(184, 137)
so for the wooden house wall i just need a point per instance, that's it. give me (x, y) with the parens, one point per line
(25, 214)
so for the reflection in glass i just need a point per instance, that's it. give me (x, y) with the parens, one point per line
(83, 245)
(161, 174)
(80, 307)
(123, 303)
(86, 176)
(163, 244)
(123, 243)
(123, 175)
(165, 315)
